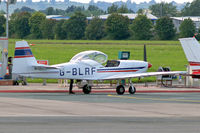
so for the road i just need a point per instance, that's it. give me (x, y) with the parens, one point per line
(68, 124)
(108, 113)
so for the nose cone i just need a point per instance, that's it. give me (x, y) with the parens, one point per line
(149, 65)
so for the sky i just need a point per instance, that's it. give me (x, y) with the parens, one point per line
(137, 1)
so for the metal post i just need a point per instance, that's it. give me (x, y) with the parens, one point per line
(161, 10)
(7, 14)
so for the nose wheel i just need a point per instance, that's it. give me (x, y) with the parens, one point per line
(132, 90)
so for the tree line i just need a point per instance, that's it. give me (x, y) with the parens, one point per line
(158, 9)
(91, 10)
(34, 25)
(25, 25)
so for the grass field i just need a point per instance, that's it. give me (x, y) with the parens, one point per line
(159, 53)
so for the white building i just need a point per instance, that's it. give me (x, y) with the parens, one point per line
(178, 20)
(131, 16)
(57, 17)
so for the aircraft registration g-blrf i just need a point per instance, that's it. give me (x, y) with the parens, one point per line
(86, 65)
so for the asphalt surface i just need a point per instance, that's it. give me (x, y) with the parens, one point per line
(98, 125)
(138, 98)
(100, 112)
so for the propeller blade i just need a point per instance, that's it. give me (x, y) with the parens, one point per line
(145, 53)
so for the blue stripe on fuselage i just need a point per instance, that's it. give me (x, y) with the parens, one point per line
(129, 68)
(23, 52)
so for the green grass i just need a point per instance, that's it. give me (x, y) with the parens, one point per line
(99, 42)
(159, 53)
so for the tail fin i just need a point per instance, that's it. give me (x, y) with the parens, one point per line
(191, 48)
(23, 58)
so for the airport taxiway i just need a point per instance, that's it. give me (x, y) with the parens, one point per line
(99, 112)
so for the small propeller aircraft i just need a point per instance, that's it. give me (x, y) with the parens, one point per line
(191, 49)
(86, 65)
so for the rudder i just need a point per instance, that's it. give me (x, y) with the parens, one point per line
(23, 58)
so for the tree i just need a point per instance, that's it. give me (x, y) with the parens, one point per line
(74, 9)
(12, 25)
(93, 8)
(95, 29)
(187, 28)
(2, 24)
(22, 28)
(112, 9)
(47, 28)
(75, 26)
(140, 11)
(24, 9)
(141, 28)
(35, 22)
(117, 26)
(2, 12)
(191, 9)
(59, 30)
(123, 9)
(50, 11)
(165, 28)
(163, 9)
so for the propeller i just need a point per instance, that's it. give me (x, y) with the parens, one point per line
(145, 56)
(145, 53)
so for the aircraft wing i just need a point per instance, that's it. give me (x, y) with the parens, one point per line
(147, 74)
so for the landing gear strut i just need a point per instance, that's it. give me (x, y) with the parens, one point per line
(132, 88)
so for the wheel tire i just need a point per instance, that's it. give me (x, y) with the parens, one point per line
(132, 90)
(15, 83)
(120, 90)
(24, 83)
(87, 89)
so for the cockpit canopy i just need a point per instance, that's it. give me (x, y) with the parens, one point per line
(92, 55)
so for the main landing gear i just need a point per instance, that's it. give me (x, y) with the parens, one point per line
(87, 89)
(121, 89)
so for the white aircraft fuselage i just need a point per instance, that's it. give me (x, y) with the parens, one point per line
(87, 65)
(81, 70)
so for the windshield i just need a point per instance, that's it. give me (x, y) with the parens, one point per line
(92, 55)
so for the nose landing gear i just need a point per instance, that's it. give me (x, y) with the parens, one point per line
(132, 89)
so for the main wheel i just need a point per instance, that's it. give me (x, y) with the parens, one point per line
(87, 89)
(132, 90)
(120, 90)
(24, 83)
(15, 82)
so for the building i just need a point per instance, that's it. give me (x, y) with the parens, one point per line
(178, 20)
(131, 16)
(57, 17)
